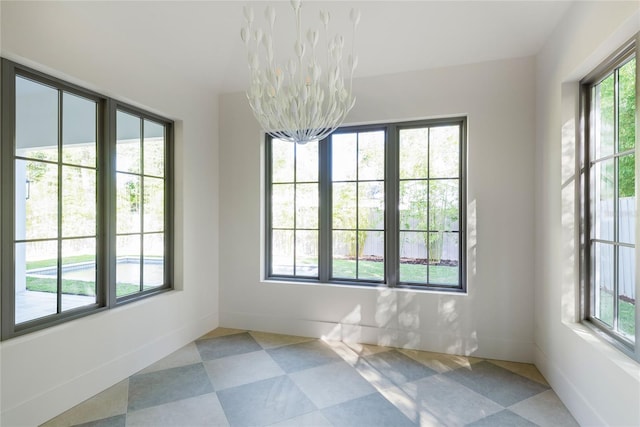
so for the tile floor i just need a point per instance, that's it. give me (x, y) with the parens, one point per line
(243, 378)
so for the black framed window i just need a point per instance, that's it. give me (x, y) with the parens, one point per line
(141, 203)
(77, 182)
(370, 205)
(294, 212)
(610, 111)
(358, 205)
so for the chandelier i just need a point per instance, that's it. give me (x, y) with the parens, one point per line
(297, 101)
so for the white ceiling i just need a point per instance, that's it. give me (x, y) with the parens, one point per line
(200, 41)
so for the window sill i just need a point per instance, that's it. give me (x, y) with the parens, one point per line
(364, 287)
(606, 346)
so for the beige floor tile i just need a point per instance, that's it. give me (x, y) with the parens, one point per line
(353, 353)
(440, 362)
(525, 369)
(545, 409)
(187, 355)
(111, 402)
(364, 350)
(268, 340)
(202, 410)
(220, 332)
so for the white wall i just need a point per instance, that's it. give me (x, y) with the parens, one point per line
(495, 318)
(598, 384)
(44, 373)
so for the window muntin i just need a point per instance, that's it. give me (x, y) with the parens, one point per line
(55, 196)
(140, 204)
(378, 205)
(294, 213)
(60, 197)
(357, 202)
(610, 170)
(429, 205)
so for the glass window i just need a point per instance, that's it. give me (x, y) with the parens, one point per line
(356, 216)
(141, 210)
(294, 212)
(55, 201)
(56, 215)
(610, 112)
(429, 205)
(358, 205)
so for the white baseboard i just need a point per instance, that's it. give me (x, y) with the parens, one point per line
(52, 402)
(568, 393)
(443, 342)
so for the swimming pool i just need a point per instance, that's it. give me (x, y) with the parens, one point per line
(127, 271)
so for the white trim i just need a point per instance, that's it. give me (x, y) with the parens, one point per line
(49, 403)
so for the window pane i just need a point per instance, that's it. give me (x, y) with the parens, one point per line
(414, 153)
(127, 265)
(282, 212)
(307, 253)
(344, 157)
(443, 205)
(627, 106)
(282, 252)
(371, 205)
(128, 144)
(413, 208)
(128, 203)
(344, 254)
(307, 162)
(307, 205)
(282, 155)
(603, 192)
(626, 289)
(443, 258)
(36, 280)
(344, 205)
(78, 201)
(444, 152)
(36, 120)
(413, 257)
(602, 292)
(371, 255)
(153, 148)
(435, 248)
(627, 199)
(78, 273)
(153, 274)
(78, 130)
(371, 155)
(36, 200)
(153, 204)
(604, 118)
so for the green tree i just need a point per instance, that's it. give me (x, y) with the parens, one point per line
(429, 204)
(627, 128)
(626, 123)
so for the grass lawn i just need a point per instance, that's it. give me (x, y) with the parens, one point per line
(75, 287)
(413, 273)
(54, 262)
(627, 314)
(71, 287)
